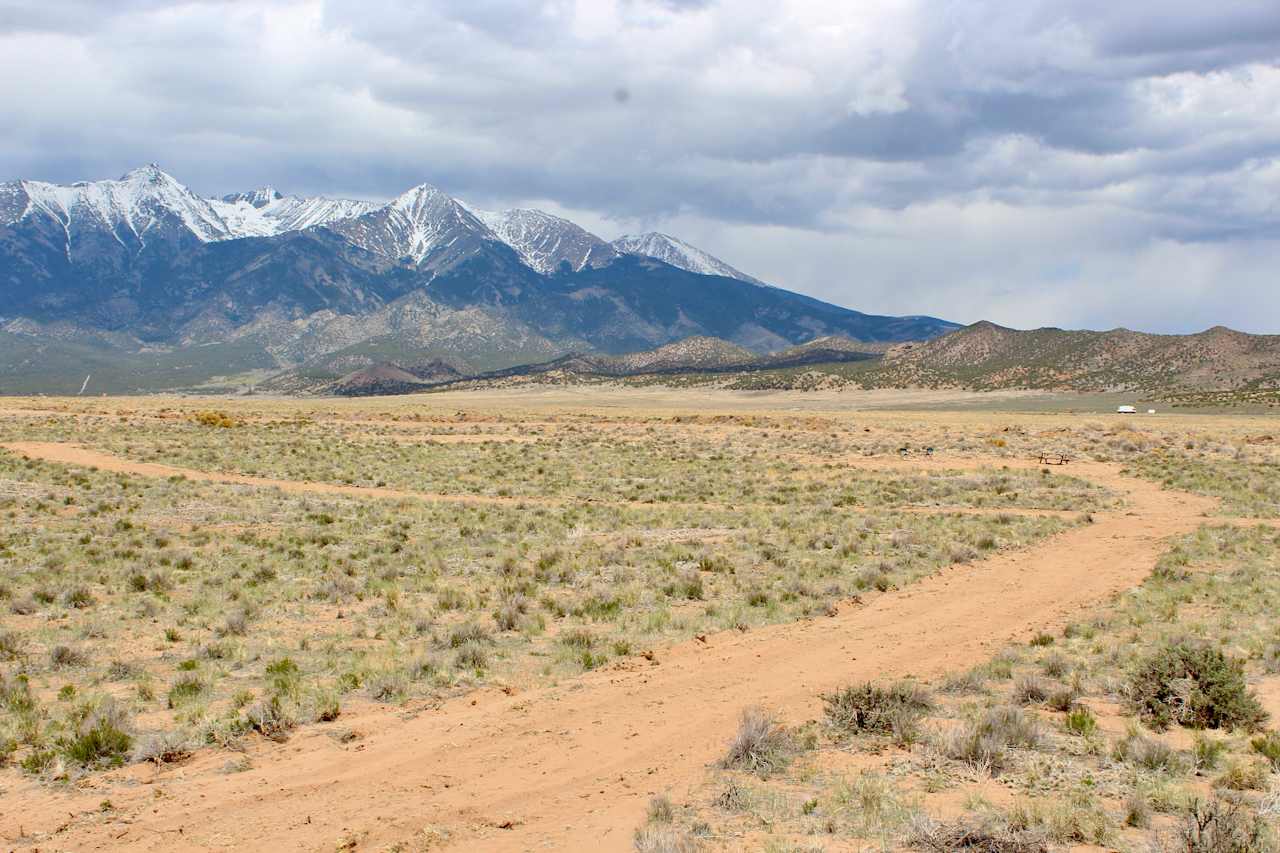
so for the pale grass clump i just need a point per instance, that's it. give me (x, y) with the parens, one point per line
(761, 746)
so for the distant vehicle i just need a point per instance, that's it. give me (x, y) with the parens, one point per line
(1126, 410)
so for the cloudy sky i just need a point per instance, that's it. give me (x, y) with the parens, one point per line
(1074, 163)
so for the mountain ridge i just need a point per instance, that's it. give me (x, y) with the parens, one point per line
(985, 355)
(143, 264)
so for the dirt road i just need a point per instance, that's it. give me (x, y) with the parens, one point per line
(74, 454)
(571, 767)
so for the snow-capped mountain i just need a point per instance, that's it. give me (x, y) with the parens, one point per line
(144, 205)
(144, 262)
(423, 227)
(678, 253)
(265, 212)
(544, 242)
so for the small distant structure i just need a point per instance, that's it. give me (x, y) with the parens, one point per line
(1126, 410)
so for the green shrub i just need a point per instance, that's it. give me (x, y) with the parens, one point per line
(186, 689)
(1195, 685)
(283, 675)
(101, 739)
(38, 761)
(1208, 752)
(1268, 746)
(1246, 775)
(103, 744)
(1080, 721)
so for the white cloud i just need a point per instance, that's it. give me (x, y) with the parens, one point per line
(1040, 162)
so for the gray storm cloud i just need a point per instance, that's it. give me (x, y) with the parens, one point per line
(1065, 163)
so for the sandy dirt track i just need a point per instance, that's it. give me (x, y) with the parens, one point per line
(74, 454)
(571, 767)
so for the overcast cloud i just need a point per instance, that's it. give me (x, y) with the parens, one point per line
(1070, 163)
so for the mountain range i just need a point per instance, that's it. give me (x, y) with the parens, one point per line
(160, 287)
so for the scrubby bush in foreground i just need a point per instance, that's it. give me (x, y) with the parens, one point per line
(892, 709)
(1194, 685)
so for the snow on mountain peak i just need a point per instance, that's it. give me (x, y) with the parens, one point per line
(544, 241)
(423, 222)
(145, 202)
(677, 253)
(420, 195)
(259, 198)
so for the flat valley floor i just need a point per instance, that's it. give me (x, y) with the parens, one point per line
(533, 619)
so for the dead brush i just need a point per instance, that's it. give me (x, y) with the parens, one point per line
(212, 418)
(1029, 690)
(761, 745)
(984, 743)
(161, 748)
(1220, 826)
(934, 837)
(1147, 753)
(510, 613)
(12, 645)
(893, 709)
(269, 718)
(62, 657)
(659, 838)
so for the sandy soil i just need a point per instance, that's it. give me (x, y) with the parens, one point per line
(571, 767)
(74, 454)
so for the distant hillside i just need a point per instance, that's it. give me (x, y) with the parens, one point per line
(824, 350)
(987, 356)
(695, 356)
(1218, 367)
(392, 379)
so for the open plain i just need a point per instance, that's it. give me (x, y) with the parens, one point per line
(605, 618)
